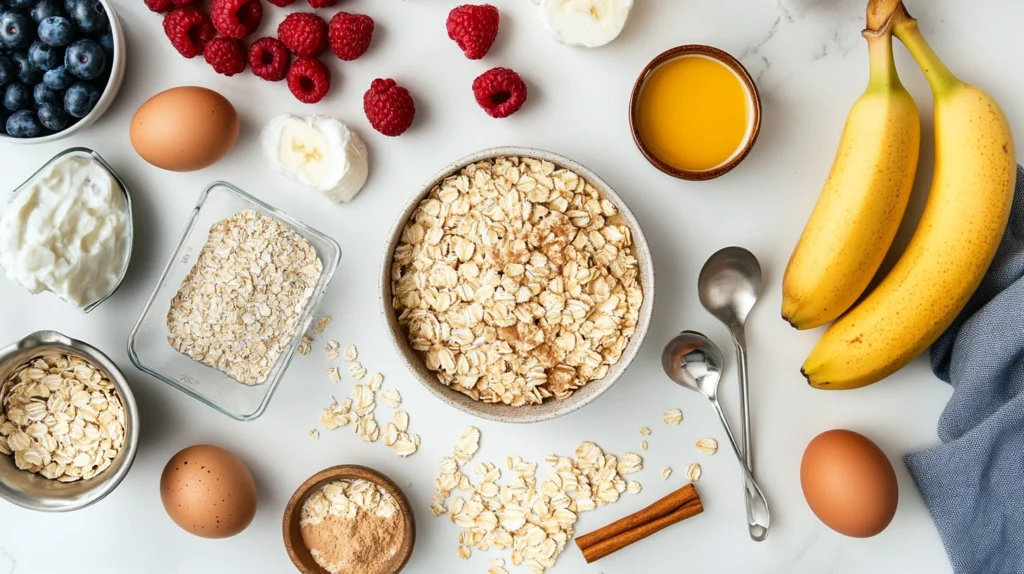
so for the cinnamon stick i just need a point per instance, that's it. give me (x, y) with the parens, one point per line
(601, 549)
(659, 509)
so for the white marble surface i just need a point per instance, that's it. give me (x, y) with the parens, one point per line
(810, 64)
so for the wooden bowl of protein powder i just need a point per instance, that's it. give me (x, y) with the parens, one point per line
(349, 519)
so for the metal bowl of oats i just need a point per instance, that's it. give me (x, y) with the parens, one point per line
(517, 285)
(69, 426)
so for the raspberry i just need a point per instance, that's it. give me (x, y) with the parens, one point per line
(159, 6)
(350, 35)
(226, 55)
(268, 59)
(189, 29)
(309, 80)
(500, 92)
(474, 28)
(236, 18)
(281, 3)
(304, 33)
(322, 3)
(389, 107)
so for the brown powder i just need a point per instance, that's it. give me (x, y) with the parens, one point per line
(360, 545)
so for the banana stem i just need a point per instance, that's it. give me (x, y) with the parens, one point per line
(938, 75)
(883, 74)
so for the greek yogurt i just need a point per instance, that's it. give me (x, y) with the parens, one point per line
(67, 231)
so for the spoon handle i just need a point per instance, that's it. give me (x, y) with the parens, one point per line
(758, 515)
(757, 532)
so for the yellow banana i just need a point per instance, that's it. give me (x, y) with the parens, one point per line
(960, 229)
(860, 208)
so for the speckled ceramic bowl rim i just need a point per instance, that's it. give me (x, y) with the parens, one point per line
(549, 409)
(734, 65)
(293, 509)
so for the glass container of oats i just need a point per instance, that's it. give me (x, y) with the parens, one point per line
(230, 309)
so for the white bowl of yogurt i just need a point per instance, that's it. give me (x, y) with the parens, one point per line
(69, 230)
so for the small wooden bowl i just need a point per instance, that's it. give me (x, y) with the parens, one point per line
(296, 548)
(720, 56)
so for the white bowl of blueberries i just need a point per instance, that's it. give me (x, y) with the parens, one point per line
(61, 65)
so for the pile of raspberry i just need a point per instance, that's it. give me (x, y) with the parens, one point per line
(499, 91)
(220, 37)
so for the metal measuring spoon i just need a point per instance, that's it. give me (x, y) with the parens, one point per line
(728, 287)
(693, 361)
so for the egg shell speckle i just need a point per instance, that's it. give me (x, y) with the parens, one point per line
(208, 492)
(184, 129)
(849, 483)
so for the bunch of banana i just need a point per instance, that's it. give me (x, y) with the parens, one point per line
(856, 219)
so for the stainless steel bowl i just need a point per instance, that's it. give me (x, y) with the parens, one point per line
(36, 492)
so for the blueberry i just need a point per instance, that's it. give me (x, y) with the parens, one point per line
(27, 73)
(44, 56)
(18, 97)
(85, 59)
(43, 95)
(54, 117)
(7, 70)
(3, 121)
(88, 15)
(45, 9)
(56, 31)
(80, 99)
(24, 124)
(20, 3)
(17, 30)
(58, 79)
(106, 40)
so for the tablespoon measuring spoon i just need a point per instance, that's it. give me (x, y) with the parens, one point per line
(693, 361)
(728, 287)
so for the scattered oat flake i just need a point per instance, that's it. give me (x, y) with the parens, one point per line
(376, 382)
(391, 398)
(331, 355)
(707, 445)
(673, 416)
(356, 370)
(351, 354)
(666, 472)
(693, 472)
(401, 419)
(645, 431)
(321, 324)
(333, 345)
(314, 434)
(333, 374)
(465, 552)
(497, 562)
(633, 487)
(405, 446)
(304, 349)
(496, 570)
(643, 445)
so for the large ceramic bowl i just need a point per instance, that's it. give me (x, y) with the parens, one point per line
(551, 408)
(117, 67)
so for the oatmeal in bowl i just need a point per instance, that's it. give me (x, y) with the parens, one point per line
(517, 285)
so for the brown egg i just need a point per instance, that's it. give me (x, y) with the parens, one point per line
(849, 483)
(208, 491)
(184, 129)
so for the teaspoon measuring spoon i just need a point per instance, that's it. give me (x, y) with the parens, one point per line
(728, 287)
(693, 361)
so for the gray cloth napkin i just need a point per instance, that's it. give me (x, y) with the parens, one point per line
(973, 483)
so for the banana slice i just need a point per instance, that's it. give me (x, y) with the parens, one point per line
(588, 23)
(318, 151)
